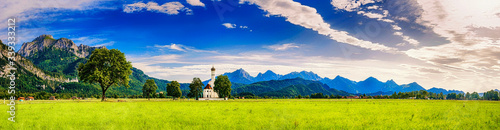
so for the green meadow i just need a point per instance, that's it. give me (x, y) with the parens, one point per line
(254, 114)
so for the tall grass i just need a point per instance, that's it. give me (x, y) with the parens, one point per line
(255, 114)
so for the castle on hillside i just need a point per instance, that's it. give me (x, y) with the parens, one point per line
(208, 91)
(72, 80)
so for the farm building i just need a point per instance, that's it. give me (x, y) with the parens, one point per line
(30, 98)
(21, 98)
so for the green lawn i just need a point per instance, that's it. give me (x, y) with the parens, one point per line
(255, 114)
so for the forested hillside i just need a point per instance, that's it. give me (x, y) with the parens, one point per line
(49, 58)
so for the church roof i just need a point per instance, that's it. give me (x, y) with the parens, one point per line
(208, 87)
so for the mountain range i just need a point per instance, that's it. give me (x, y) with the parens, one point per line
(369, 85)
(288, 87)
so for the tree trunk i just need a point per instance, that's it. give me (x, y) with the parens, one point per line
(103, 95)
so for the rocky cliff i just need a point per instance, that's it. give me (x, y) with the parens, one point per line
(47, 42)
(23, 64)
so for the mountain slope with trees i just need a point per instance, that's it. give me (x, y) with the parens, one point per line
(305, 89)
(62, 56)
(287, 87)
(371, 85)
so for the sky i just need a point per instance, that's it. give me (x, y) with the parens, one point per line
(451, 44)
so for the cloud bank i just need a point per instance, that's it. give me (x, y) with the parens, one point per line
(171, 8)
(308, 17)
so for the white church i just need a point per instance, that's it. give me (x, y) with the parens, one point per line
(208, 91)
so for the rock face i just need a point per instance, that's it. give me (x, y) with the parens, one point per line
(45, 42)
(22, 64)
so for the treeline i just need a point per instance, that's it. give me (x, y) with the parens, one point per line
(422, 94)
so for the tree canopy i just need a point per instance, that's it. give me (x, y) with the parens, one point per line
(196, 87)
(491, 95)
(173, 89)
(149, 88)
(222, 86)
(106, 67)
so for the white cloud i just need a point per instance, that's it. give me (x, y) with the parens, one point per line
(25, 10)
(353, 5)
(402, 19)
(282, 47)
(408, 40)
(373, 7)
(93, 40)
(195, 3)
(371, 15)
(182, 48)
(350, 5)
(396, 27)
(461, 23)
(107, 44)
(472, 55)
(411, 41)
(380, 17)
(172, 47)
(171, 8)
(229, 25)
(307, 17)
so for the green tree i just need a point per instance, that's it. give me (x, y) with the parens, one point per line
(149, 88)
(161, 95)
(196, 87)
(424, 93)
(394, 95)
(173, 89)
(475, 95)
(107, 67)
(317, 95)
(222, 86)
(491, 95)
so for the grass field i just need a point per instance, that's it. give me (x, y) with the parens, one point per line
(255, 114)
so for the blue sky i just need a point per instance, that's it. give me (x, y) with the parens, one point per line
(447, 44)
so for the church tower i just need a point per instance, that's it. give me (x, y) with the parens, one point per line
(212, 80)
(208, 91)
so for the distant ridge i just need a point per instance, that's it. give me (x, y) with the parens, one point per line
(369, 85)
(47, 42)
(444, 91)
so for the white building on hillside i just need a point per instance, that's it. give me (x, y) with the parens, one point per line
(72, 80)
(208, 91)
